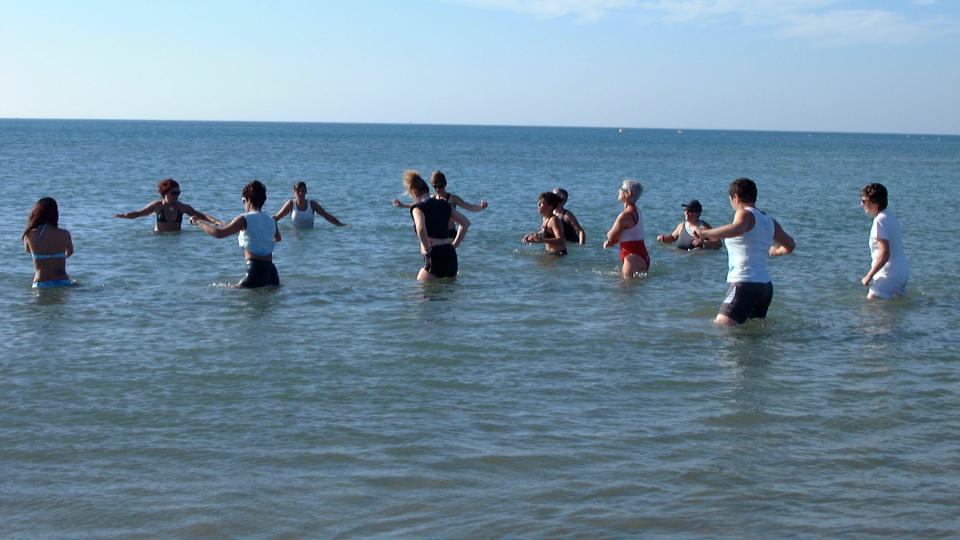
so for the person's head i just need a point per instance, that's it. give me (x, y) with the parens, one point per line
(743, 189)
(631, 190)
(255, 193)
(414, 184)
(875, 195)
(44, 212)
(562, 193)
(548, 202)
(438, 180)
(168, 187)
(692, 210)
(300, 189)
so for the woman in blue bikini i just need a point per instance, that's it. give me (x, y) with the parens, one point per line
(48, 244)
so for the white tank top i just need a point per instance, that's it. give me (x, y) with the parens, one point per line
(634, 233)
(302, 219)
(257, 238)
(747, 254)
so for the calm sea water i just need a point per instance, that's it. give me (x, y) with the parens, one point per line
(533, 397)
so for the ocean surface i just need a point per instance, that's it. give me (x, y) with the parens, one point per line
(533, 397)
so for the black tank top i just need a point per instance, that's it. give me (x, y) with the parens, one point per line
(437, 217)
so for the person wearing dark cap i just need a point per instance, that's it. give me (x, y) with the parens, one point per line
(683, 233)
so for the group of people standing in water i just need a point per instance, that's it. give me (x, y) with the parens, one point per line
(440, 228)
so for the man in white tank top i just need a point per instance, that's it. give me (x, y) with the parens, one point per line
(752, 237)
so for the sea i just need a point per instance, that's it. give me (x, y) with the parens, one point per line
(532, 397)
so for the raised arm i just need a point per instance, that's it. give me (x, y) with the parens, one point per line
(398, 204)
(238, 224)
(145, 211)
(459, 219)
(457, 201)
(783, 242)
(326, 215)
(284, 210)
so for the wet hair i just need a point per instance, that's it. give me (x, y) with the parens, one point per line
(166, 185)
(438, 180)
(745, 189)
(551, 198)
(633, 188)
(414, 182)
(562, 193)
(877, 194)
(45, 212)
(300, 185)
(256, 193)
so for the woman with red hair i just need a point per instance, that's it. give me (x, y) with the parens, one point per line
(169, 209)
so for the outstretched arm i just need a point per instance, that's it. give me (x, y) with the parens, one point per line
(145, 211)
(784, 243)
(284, 210)
(672, 237)
(398, 204)
(457, 201)
(743, 222)
(326, 215)
(190, 211)
(238, 224)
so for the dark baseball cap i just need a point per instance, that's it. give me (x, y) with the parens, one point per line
(694, 205)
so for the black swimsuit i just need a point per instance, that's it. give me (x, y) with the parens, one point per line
(453, 231)
(162, 214)
(569, 233)
(442, 259)
(546, 232)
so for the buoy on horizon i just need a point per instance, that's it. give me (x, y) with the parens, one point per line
(620, 131)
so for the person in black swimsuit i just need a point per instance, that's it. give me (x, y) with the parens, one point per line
(572, 231)
(169, 209)
(439, 182)
(432, 219)
(551, 230)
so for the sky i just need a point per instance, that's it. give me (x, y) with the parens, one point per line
(882, 66)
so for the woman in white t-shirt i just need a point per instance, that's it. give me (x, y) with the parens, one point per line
(889, 270)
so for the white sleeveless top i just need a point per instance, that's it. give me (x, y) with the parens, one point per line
(747, 255)
(302, 219)
(257, 238)
(634, 233)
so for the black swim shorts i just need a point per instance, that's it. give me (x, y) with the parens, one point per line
(747, 301)
(260, 273)
(442, 261)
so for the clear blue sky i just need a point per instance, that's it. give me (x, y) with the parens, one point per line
(824, 65)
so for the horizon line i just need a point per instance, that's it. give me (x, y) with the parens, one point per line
(441, 124)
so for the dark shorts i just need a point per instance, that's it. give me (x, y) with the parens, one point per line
(442, 261)
(747, 301)
(260, 274)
